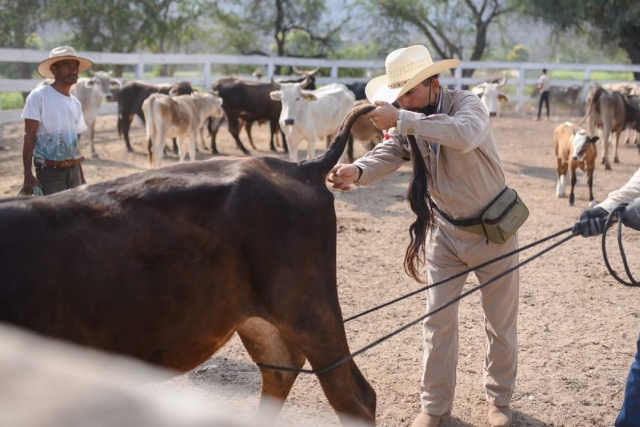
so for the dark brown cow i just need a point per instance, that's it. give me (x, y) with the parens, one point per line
(245, 102)
(132, 95)
(167, 264)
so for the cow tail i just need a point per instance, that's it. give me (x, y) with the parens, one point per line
(320, 167)
(421, 204)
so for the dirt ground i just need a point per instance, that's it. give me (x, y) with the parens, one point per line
(577, 325)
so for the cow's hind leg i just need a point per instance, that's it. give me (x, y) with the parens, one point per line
(265, 345)
(615, 148)
(316, 327)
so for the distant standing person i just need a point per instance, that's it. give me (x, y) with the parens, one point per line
(52, 121)
(543, 85)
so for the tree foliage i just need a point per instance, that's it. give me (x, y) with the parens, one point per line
(610, 22)
(451, 28)
(19, 21)
(281, 27)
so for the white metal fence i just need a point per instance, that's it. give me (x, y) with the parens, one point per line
(517, 71)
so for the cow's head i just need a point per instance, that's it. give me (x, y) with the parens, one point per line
(180, 88)
(212, 105)
(293, 98)
(103, 83)
(580, 142)
(491, 96)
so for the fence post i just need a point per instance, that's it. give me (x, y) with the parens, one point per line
(140, 70)
(1, 125)
(522, 76)
(457, 74)
(334, 72)
(586, 85)
(270, 68)
(206, 73)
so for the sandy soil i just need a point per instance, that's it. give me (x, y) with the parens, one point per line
(577, 326)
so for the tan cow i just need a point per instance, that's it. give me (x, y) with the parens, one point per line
(574, 149)
(178, 117)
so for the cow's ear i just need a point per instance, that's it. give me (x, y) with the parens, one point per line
(503, 98)
(276, 95)
(594, 139)
(219, 100)
(309, 97)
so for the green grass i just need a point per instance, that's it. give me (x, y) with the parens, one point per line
(595, 75)
(11, 101)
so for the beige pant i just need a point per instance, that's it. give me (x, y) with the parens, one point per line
(451, 251)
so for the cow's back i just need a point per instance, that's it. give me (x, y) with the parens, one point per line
(326, 113)
(151, 260)
(562, 141)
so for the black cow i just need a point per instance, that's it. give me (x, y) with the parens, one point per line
(245, 102)
(358, 90)
(132, 95)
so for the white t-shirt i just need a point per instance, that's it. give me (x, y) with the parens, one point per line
(544, 81)
(60, 120)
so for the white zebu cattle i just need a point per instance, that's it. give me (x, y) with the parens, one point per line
(491, 96)
(178, 117)
(309, 114)
(90, 92)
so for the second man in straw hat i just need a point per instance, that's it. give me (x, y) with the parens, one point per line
(454, 138)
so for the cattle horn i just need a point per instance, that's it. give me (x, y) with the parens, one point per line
(301, 73)
(306, 81)
(503, 81)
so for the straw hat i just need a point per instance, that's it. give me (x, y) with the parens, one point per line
(405, 68)
(60, 54)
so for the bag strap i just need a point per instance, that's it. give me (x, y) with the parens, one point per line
(459, 222)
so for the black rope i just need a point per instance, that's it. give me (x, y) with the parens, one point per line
(610, 219)
(403, 328)
(455, 276)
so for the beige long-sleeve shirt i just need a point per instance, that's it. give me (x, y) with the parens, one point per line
(626, 194)
(465, 173)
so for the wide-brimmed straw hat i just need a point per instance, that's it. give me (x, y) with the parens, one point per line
(61, 53)
(405, 68)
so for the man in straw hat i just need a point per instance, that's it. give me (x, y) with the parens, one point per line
(52, 121)
(454, 137)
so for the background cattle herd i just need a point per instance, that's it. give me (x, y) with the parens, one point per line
(296, 110)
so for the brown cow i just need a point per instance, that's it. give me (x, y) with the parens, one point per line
(574, 149)
(606, 110)
(165, 265)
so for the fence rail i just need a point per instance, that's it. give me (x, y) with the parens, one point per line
(516, 71)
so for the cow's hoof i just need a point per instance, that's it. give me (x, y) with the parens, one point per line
(616, 160)
(129, 150)
(246, 152)
(607, 167)
(95, 156)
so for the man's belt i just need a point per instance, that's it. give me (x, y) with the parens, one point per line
(472, 225)
(58, 164)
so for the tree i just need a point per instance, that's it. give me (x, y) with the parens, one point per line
(129, 25)
(20, 19)
(610, 22)
(295, 27)
(452, 28)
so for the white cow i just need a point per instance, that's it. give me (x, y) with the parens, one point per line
(309, 114)
(90, 92)
(178, 117)
(491, 96)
